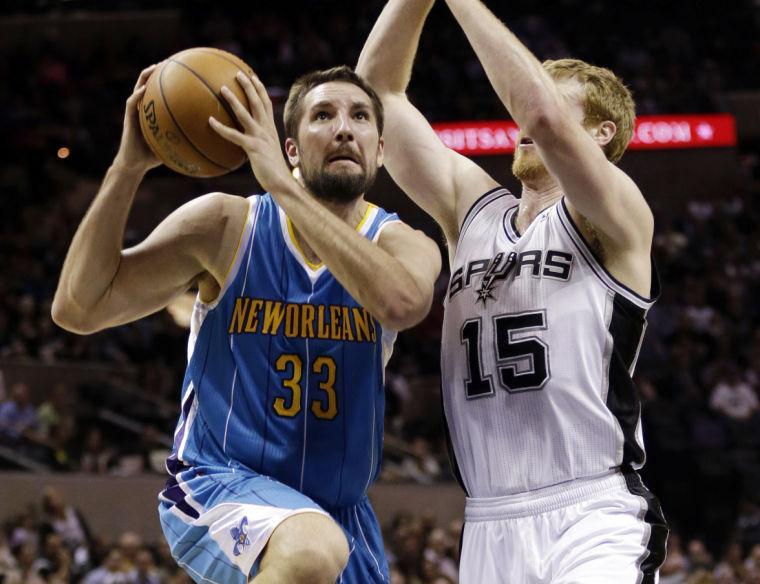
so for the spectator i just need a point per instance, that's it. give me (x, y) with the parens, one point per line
(26, 572)
(734, 398)
(96, 457)
(675, 568)
(113, 570)
(17, 414)
(699, 557)
(145, 571)
(63, 520)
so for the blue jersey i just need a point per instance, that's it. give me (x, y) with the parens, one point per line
(285, 372)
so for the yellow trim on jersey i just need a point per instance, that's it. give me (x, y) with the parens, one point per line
(298, 246)
(370, 206)
(292, 234)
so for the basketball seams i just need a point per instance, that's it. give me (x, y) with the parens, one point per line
(224, 55)
(176, 124)
(223, 102)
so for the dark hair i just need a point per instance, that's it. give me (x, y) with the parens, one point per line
(305, 83)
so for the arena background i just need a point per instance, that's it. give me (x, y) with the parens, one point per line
(81, 459)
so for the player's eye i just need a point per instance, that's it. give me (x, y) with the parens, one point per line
(322, 115)
(361, 115)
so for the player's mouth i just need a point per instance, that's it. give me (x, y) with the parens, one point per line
(343, 157)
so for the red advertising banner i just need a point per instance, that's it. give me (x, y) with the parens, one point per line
(650, 133)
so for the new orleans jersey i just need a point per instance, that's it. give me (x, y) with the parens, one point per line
(285, 369)
(540, 343)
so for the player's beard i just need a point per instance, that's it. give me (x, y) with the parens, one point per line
(340, 186)
(528, 167)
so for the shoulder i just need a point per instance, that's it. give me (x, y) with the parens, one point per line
(212, 226)
(400, 237)
(211, 208)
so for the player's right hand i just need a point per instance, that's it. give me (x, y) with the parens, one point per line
(134, 153)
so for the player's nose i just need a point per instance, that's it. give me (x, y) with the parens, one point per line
(343, 131)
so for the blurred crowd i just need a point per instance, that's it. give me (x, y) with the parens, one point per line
(60, 92)
(51, 543)
(699, 369)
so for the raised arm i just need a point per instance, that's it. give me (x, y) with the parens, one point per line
(595, 187)
(441, 181)
(102, 285)
(393, 280)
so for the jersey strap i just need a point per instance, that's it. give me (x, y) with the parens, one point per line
(597, 266)
(481, 203)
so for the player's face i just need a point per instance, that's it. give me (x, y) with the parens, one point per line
(527, 165)
(338, 150)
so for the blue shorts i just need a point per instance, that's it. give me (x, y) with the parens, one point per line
(217, 521)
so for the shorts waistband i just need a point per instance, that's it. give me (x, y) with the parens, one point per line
(542, 500)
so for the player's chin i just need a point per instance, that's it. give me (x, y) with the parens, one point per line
(527, 167)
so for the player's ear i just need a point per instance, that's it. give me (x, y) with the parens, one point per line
(605, 132)
(291, 149)
(380, 152)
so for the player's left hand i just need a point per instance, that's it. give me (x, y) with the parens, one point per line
(259, 138)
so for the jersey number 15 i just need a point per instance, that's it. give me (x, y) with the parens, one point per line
(511, 352)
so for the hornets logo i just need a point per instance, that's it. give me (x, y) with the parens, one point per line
(240, 536)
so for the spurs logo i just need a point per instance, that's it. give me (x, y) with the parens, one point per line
(495, 273)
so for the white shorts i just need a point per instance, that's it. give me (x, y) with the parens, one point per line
(605, 530)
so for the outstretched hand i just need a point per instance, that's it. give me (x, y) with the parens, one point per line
(134, 153)
(259, 137)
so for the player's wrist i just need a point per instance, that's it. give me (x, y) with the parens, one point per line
(127, 167)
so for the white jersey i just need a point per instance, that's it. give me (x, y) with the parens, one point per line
(539, 346)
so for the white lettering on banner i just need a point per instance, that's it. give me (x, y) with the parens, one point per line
(475, 138)
(651, 132)
(662, 132)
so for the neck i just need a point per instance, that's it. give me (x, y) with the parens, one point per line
(536, 196)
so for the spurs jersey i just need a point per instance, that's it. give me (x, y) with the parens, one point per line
(540, 343)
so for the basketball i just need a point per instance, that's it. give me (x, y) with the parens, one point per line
(179, 97)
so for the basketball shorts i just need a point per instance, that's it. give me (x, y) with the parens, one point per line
(217, 521)
(605, 530)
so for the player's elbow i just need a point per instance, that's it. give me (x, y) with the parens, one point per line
(375, 71)
(69, 317)
(404, 311)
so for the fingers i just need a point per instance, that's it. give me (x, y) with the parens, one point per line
(256, 93)
(226, 132)
(241, 113)
(144, 74)
(136, 95)
(261, 91)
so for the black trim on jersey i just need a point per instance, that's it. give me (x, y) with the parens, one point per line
(450, 448)
(508, 223)
(654, 556)
(626, 328)
(472, 212)
(654, 291)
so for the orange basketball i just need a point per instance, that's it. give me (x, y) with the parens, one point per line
(180, 96)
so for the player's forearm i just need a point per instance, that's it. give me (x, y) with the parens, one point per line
(95, 252)
(523, 86)
(388, 55)
(377, 280)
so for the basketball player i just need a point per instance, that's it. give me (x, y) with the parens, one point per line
(545, 310)
(300, 294)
